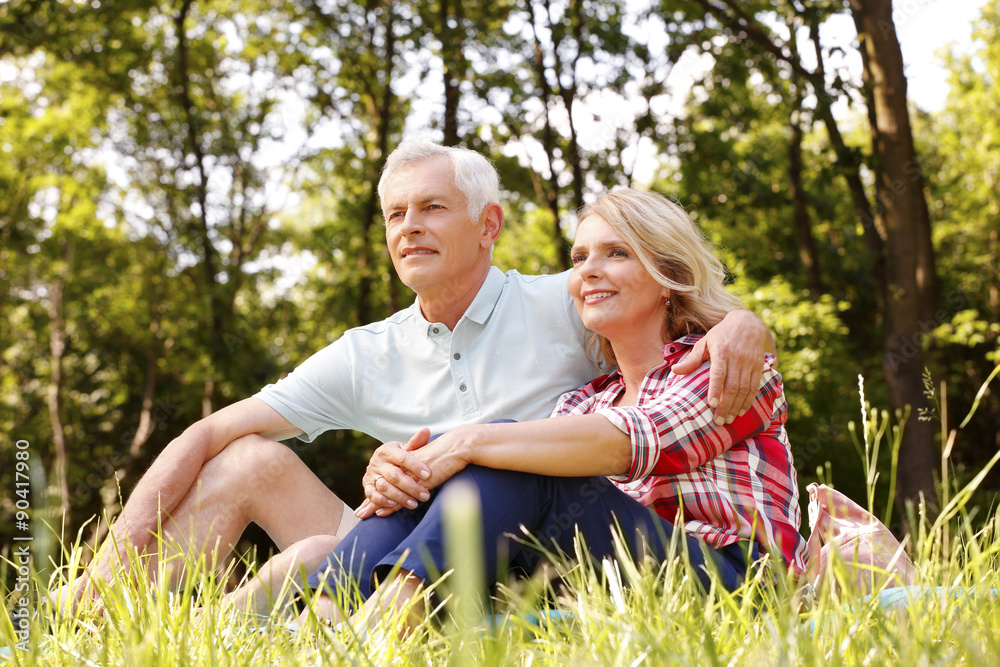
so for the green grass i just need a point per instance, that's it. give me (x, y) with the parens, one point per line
(610, 615)
(619, 617)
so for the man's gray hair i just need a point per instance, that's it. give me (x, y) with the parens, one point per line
(475, 176)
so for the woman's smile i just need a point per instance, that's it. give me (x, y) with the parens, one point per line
(614, 293)
(595, 296)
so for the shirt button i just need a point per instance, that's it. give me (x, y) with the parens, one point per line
(457, 356)
(462, 388)
(436, 330)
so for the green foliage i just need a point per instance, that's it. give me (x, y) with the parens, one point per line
(526, 245)
(812, 341)
(198, 179)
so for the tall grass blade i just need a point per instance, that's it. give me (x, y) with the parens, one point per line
(462, 529)
(979, 397)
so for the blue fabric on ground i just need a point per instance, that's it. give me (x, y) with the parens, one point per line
(896, 598)
(498, 621)
(899, 598)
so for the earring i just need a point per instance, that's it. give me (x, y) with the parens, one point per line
(668, 302)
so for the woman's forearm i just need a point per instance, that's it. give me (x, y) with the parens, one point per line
(571, 446)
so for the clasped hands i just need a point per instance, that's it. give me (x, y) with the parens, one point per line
(402, 474)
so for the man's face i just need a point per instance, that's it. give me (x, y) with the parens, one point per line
(433, 244)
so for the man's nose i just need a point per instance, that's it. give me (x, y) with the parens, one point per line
(412, 223)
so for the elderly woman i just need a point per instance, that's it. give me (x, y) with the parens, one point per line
(648, 286)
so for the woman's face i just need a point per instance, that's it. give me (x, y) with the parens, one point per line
(614, 293)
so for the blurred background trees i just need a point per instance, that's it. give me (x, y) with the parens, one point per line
(188, 206)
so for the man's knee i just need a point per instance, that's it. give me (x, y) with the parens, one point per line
(247, 470)
(251, 460)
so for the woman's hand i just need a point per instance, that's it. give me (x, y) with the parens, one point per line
(390, 481)
(447, 455)
(573, 446)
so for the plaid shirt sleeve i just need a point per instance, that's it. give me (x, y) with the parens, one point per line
(672, 429)
(581, 401)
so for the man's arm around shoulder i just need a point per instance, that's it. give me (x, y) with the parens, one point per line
(736, 347)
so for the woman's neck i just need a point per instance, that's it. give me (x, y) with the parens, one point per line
(634, 362)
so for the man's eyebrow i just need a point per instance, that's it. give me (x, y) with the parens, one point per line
(426, 199)
(433, 197)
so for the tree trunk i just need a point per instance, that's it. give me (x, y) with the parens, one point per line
(455, 66)
(995, 274)
(57, 350)
(215, 305)
(902, 184)
(989, 177)
(807, 245)
(126, 465)
(382, 105)
(568, 93)
(909, 261)
(850, 166)
(551, 192)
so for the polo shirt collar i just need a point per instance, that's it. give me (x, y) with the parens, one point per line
(486, 299)
(481, 307)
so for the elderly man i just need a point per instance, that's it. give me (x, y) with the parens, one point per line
(477, 345)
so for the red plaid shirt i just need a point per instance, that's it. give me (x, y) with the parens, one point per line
(735, 482)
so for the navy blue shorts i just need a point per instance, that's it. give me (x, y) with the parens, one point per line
(552, 509)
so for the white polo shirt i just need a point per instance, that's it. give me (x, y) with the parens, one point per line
(519, 346)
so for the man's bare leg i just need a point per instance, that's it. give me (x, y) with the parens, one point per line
(283, 577)
(253, 480)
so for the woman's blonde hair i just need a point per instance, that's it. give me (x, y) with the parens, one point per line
(675, 253)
